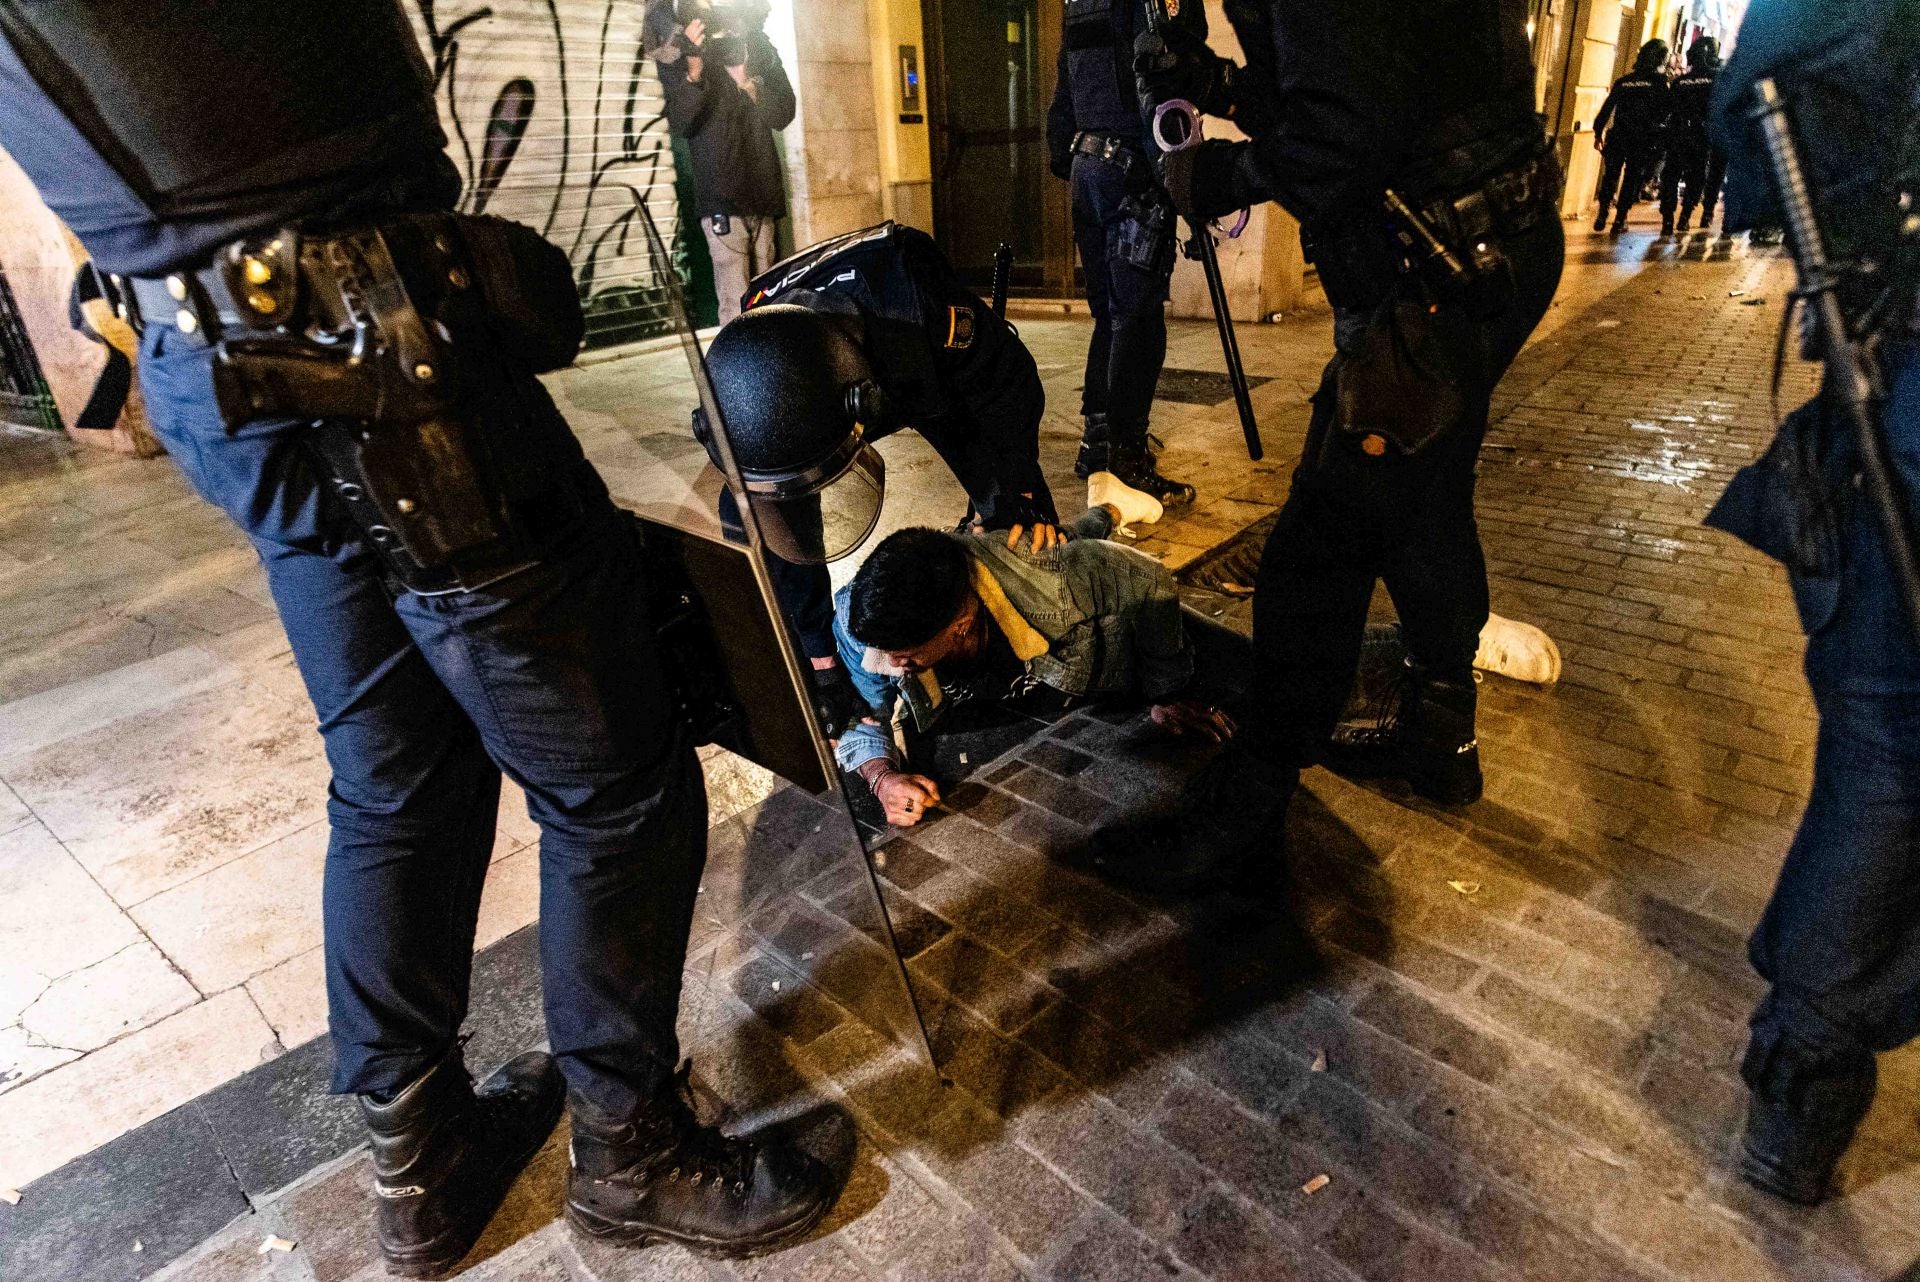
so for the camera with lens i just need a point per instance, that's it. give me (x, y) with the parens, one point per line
(728, 27)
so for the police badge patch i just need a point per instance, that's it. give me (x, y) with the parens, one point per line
(959, 327)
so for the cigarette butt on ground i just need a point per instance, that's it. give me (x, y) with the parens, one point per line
(1315, 1184)
(275, 1242)
(1319, 1061)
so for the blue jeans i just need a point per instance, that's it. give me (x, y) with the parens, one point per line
(1840, 939)
(548, 675)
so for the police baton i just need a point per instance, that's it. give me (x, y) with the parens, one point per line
(1201, 246)
(1852, 369)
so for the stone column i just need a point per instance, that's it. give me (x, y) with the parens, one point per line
(1262, 268)
(833, 145)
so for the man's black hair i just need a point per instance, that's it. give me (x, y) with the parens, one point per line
(909, 589)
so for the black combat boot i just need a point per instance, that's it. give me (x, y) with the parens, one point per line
(1421, 732)
(1600, 219)
(1226, 833)
(444, 1155)
(1666, 224)
(1686, 221)
(1131, 457)
(1801, 1117)
(663, 1177)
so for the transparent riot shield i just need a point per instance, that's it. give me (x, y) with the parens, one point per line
(788, 875)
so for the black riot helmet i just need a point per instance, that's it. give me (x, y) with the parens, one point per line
(1703, 54)
(801, 407)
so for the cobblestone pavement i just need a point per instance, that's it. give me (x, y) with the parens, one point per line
(1498, 1043)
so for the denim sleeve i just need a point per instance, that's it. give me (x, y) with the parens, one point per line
(876, 689)
(864, 742)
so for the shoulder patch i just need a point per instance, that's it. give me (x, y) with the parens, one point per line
(959, 327)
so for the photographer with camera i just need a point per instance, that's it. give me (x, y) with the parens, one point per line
(727, 92)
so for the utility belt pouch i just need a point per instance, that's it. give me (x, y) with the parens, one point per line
(1144, 238)
(364, 347)
(1399, 388)
(533, 303)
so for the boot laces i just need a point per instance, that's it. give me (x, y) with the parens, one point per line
(705, 1153)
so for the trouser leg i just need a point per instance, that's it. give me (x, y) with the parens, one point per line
(1715, 176)
(557, 667)
(1139, 347)
(1671, 174)
(732, 256)
(1090, 238)
(762, 257)
(1613, 163)
(412, 810)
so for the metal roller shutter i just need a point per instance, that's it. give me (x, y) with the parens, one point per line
(555, 118)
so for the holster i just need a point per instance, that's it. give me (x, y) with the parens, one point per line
(398, 343)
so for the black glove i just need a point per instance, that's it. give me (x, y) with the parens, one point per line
(1201, 179)
(836, 701)
(1180, 65)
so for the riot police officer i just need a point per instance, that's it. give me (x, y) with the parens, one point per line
(1124, 227)
(347, 369)
(1427, 196)
(1838, 943)
(848, 342)
(1629, 131)
(1692, 159)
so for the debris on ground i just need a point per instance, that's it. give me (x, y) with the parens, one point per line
(1468, 888)
(1319, 1062)
(10, 1196)
(1315, 1184)
(275, 1242)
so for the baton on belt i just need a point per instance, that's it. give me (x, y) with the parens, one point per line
(1852, 367)
(1201, 246)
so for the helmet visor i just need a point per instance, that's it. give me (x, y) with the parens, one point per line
(817, 528)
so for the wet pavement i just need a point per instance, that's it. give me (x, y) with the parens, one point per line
(1504, 1036)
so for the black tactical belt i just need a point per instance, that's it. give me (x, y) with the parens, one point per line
(1118, 152)
(197, 304)
(1505, 204)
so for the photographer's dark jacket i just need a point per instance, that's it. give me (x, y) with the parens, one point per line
(729, 136)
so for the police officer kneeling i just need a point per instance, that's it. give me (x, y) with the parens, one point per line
(348, 370)
(1412, 156)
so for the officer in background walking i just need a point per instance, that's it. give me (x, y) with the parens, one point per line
(1123, 224)
(347, 368)
(1629, 132)
(1692, 159)
(1374, 131)
(1839, 943)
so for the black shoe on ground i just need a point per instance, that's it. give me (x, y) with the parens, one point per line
(663, 1177)
(1619, 226)
(1600, 219)
(1686, 222)
(1134, 460)
(1421, 731)
(444, 1155)
(1666, 225)
(1797, 1129)
(1226, 833)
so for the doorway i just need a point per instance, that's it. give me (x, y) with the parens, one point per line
(991, 72)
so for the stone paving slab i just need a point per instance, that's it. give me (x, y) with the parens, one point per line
(1497, 1043)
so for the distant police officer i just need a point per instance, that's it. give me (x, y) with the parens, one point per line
(1097, 139)
(1629, 131)
(348, 370)
(1692, 159)
(1839, 943)
(1427, 196)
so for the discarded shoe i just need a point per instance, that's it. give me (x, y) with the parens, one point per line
(1134, 506)
(1518, 650)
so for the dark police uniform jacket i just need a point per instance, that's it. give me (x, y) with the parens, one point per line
(1636, 109)
(1345, 100)
(157, 143)
(1094, 88)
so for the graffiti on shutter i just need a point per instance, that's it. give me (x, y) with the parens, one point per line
(555, 117)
